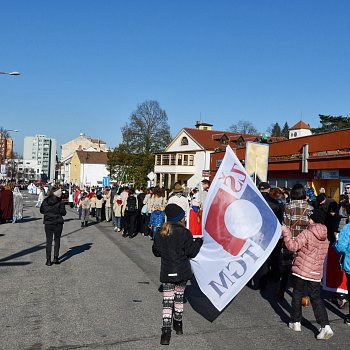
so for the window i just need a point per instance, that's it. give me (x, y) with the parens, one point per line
(165, 159)
(173, 159)
(185, 159)
(191, 159)
(179, 159)
(158, 159)
(295, 134)
(224, 140)
(184, 141)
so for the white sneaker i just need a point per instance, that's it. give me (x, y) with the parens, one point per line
(116, 229)
(296, 326)
(325, 333)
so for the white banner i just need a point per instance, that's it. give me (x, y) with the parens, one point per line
(239, 233)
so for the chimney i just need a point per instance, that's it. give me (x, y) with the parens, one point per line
(203, 126)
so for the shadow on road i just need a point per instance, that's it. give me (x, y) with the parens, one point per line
(35, 248)
(336, 310)
(28, 219)
(282, 308)
(75, 251)
(199, 302)
(19, 263)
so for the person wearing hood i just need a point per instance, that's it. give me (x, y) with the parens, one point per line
(17, 205)
(53, 209)
(311, 247)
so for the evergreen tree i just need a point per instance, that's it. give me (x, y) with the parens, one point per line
(285, 130)
(276, 130)
(332, 123)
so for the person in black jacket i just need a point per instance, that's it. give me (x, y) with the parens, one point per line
(53, 209)
(270, 269)
(176, 246)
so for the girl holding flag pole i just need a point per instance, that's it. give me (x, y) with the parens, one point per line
(176, 246)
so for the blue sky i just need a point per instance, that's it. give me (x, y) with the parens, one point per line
(87, 64)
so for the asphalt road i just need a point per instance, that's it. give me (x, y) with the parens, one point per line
(104, 295)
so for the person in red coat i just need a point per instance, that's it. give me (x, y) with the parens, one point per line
(6, 204)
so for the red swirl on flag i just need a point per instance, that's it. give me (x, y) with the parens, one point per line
(215, 223)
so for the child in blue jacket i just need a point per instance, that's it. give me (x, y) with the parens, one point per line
(342, 245)
(156, 221)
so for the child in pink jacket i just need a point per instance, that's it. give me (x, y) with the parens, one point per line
(311, 247)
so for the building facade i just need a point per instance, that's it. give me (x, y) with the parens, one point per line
(81, 143)
(187, 158)
(321, 160)
(42, 149)
(300, 129)
(88, 168)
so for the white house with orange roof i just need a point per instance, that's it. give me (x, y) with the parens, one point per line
(187, 158)
(300, 129)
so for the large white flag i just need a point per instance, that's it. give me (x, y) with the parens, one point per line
(239, 233)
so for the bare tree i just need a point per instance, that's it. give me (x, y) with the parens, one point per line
(244, 127)
(148, 130)
(4, 133)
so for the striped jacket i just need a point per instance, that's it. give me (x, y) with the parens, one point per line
(294, 211)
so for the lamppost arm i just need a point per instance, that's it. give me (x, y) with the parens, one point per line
(11, 73)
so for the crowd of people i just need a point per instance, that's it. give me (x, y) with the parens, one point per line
(133, 211)
(310, 225)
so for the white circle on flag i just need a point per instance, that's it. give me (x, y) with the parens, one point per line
(243, 219)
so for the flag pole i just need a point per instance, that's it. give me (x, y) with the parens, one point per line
(256, 168)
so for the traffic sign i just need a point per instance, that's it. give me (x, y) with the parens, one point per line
(106, 181)
(151, 175)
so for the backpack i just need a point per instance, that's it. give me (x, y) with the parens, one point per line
(131, 205)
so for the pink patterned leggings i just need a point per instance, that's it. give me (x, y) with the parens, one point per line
(173, 298)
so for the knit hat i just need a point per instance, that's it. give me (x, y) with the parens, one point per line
(264, 186)
(174, 213)
(58, 193)
(318, 216)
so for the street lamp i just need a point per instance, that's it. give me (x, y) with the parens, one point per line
(11, 73)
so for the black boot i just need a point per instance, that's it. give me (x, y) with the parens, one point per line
(82, 224)
(48, 262)
(177, 326)
(166, 335)
(86, 223)
(55, 260)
